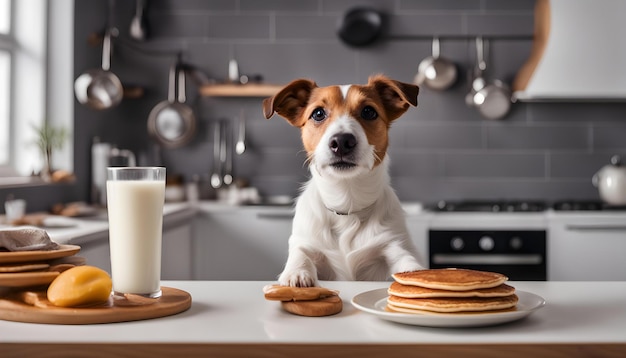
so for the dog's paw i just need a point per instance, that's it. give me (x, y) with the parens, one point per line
(407, 265)
(300, 278)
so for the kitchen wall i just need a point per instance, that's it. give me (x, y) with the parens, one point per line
(440, 150)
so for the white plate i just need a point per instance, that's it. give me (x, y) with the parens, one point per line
(374, 302)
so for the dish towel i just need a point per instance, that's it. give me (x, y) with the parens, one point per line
(26, 238)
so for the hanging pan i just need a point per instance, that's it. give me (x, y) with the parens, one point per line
(435, 71)
(100, 88)
(360, 26)
(172, 123)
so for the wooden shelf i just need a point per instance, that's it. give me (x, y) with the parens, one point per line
(235, 90)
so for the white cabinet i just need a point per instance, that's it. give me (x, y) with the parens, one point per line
(97, 252)
(587, 247)
(417, 224)
(241, 243)
(176, 260)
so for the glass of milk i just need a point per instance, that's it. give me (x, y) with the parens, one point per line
(135, 197)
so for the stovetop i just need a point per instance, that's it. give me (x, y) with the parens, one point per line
(582, 205)
(494, 206)
(504, 206)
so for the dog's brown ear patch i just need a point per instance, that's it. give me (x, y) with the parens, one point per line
(396, 96)
(290, 101)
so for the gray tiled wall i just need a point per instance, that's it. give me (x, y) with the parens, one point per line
(441, 150)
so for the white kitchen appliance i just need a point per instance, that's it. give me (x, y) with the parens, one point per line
(105, 155)
(611, 182)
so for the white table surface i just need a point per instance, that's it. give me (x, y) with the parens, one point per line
(236, 312)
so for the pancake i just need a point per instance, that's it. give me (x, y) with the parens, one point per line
(454, 304)
(23, 267)
(451, 279)
(390, 308)
(400, 290)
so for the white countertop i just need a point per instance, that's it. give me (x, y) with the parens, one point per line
(80, 230)
(235, 312)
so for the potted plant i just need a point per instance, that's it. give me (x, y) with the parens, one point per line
(48, 139)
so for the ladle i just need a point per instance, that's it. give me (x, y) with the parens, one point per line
(139, 24)
(240, 146)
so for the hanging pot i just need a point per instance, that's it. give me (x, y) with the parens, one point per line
(100, 88)
(172, 123)
(492, 99)
(360, 26)
(436, 72)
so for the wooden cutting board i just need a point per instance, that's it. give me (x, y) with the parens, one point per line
(34, 307)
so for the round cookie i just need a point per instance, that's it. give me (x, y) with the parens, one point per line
(314, 308)
(287, 293)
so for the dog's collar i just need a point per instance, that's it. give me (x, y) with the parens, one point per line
(356, 212)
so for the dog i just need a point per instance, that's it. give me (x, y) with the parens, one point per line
(348, 224)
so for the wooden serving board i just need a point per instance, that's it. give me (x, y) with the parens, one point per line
(34, 307)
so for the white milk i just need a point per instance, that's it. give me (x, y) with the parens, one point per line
(135, 228)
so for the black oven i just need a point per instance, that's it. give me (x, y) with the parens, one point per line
(518, 254)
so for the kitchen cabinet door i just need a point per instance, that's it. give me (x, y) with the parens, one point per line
(418, 230)
(580, 250)
(176, 252)
(247, 243)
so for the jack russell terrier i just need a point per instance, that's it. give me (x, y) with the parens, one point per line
(348, 223)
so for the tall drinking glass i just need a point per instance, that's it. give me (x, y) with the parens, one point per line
(135, 197)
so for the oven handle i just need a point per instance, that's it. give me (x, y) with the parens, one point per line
(487, 259)
(595, 227)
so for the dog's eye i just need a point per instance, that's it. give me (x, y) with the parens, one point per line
(369, 113)
(319, 114)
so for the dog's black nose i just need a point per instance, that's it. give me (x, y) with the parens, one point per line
(342, 143)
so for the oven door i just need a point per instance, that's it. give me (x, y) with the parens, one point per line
(518, 254)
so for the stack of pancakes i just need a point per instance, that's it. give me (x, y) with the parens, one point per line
(444, 291)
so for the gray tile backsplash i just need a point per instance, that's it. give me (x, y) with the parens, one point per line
(440, 150)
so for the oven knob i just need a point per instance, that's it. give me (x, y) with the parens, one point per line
(515, 243)
(457, 243)
(486, 243)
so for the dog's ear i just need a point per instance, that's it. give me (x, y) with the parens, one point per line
(396, 96)
(290, 101)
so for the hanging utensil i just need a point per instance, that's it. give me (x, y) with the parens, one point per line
(493, 100)
(436, 72)
(240, 146)
(216, 176)
(171, 122)
(226, 157)
(139, 24)
(477, 81)
(360, 26)
(100, 88)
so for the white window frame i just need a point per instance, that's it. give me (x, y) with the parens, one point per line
(41, 83)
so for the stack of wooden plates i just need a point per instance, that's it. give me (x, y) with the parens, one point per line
(33, 268)
(446, 291)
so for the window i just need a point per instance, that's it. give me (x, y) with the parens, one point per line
(35, 80)
(6, 45)
(5, 67)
